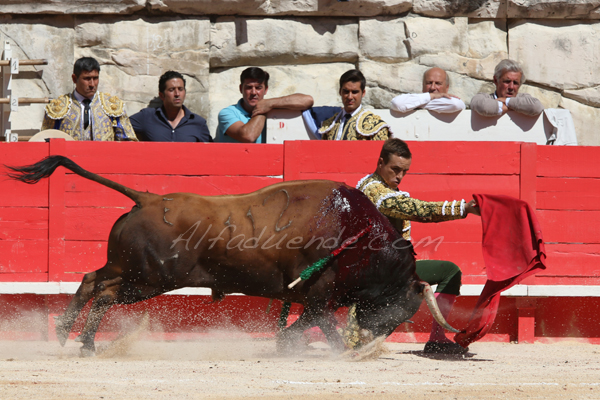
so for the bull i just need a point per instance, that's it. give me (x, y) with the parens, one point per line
(255, 244)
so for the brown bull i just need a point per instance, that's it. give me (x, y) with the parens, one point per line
(255, 244)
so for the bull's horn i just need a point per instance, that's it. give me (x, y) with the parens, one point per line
(433, 307)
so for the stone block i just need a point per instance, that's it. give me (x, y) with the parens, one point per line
(235, 7)
(472, 67)
(585, 119)
(549, 98)
(486, 38)
(396, 78)
(134, 53)
(71, 7)
(588, 96)
(261, 41)
(28, 40)
(486, 41)
(353, 8)
(318, 80)
(378, 98)
(461, 8)
(465, 87)
(53, 41)
(433, 35)
(383, 39)
(150, 35)
(385, 81)
(362, 8)
(557, 54)
(576, 9)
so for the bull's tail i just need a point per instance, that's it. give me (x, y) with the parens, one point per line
(43, 169)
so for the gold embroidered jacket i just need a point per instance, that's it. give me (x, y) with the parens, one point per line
(108, 120)
(400, 208)
(364, 125)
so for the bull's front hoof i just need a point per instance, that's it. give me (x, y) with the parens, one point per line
(89, 348)
(284, 347)
(338, 347)
(61, 332)
(287, 345)
(86, 353)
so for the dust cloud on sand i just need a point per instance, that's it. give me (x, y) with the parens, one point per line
(232, 365)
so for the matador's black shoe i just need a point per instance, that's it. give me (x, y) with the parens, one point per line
(444, 348)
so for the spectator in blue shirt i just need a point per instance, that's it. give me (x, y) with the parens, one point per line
(246, 121)
(172, 122)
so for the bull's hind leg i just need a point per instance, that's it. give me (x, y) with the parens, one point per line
(103, 300)
(64, 323)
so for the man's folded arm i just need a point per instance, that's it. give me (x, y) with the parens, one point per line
(296, 102)
(525, 104)
(445, 105)
(409, 101)
(485, 105)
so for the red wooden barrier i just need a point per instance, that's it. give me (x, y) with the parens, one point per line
(56, 230)
(23, 219)
(568, 209)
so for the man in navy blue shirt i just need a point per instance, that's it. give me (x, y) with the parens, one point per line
(172, 122)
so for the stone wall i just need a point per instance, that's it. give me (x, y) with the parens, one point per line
(306, 45)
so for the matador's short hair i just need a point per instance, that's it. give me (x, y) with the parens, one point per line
(394, 146)
(353, 75)
(87, 64)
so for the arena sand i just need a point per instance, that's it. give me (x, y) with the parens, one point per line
(231, 365)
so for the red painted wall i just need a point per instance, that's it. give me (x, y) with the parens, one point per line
(56, 230)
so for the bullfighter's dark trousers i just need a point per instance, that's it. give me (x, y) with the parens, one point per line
(445, 274)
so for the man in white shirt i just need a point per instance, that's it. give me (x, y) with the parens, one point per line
(435, 96)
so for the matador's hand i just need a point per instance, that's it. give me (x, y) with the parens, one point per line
(472, 208)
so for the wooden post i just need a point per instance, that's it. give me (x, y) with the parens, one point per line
(6, 92)
(41, 61)
(526, 325)
(26, 100)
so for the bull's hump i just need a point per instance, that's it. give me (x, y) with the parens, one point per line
(308, 187)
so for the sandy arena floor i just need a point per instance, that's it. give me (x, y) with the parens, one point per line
(233, 366)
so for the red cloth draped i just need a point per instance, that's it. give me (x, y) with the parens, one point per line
(513, 249)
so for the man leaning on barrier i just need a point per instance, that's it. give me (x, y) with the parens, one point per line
(245, 122)
(86, 114)
(435, 96)
(381, 188)
(508, 78)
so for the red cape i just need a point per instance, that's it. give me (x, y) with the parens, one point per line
(513, 249)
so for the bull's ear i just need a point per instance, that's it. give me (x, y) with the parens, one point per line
(416, 287)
